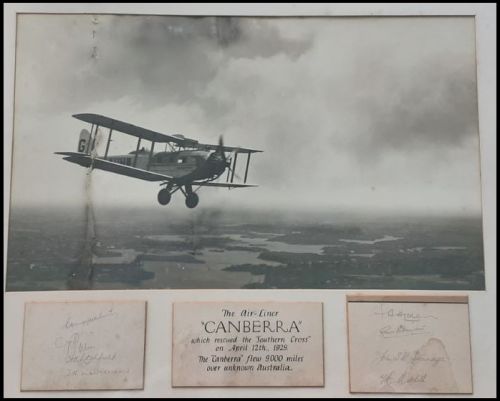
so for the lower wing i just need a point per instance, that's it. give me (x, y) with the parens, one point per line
(101, 164)
(222, 184)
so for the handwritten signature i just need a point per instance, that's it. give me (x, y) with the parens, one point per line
(95, 372)
(401, 330)
(393, 313)
(69, 324)
(404, 378)
(79, 351)
(410, 357)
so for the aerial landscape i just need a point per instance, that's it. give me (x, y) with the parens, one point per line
(251, 250)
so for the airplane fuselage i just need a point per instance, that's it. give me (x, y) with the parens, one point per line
(183, 166)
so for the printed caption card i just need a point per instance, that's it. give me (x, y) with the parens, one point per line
(247, 344)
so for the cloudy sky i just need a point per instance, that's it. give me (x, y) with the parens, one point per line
(361, 113)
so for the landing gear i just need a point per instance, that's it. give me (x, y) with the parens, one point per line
(191, 200)
(164, 196)
(191, 197)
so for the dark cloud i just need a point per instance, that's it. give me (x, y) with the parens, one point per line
(174, 58)
(434, 108)
(252, 37)
(227, 30)
(158, 59)
(337, 105)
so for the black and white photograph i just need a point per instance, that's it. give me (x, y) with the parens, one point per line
(238, 152)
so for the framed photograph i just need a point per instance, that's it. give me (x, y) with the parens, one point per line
(358, 145)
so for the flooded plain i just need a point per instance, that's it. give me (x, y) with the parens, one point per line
(48, 252)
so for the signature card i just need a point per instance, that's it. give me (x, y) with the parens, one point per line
(409, 344)
(247, 344)
(83, 345)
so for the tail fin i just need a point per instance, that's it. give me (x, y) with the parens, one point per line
(84, 142)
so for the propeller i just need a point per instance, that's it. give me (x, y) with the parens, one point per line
(227, 161)
(220, 150)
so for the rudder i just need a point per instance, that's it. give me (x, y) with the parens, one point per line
(84, 142)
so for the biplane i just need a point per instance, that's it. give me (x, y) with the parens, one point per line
(184, 164)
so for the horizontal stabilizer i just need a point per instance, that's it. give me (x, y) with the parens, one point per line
(101, 164)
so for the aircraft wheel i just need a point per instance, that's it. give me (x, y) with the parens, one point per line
(192, 200)
(164, 197)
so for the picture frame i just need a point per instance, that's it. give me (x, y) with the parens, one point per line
(481, 303)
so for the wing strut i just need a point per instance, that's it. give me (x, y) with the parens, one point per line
(92, 147)
(90, 139)
(150, 154)
(234, 166)
(246, 169)
(137, 151)
(107, 145)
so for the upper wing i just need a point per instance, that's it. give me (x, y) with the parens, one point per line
(134, 130)
(227, 148)
(101, 164)
(222, 184)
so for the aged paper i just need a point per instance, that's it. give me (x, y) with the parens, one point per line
(409, 347)
(248, 344)
(83, 346)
